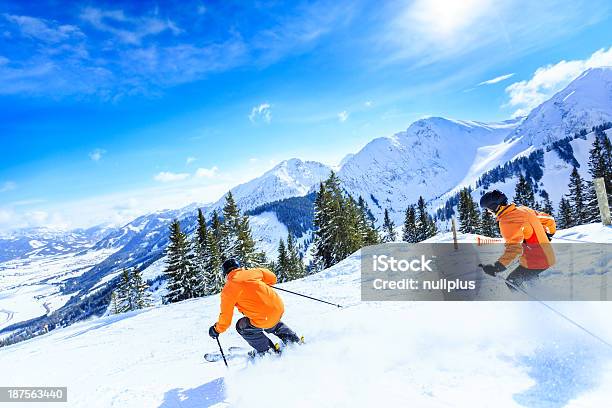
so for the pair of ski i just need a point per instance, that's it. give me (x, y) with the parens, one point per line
(244, 353)
(232, 353)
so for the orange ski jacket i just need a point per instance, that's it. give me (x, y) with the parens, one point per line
(525, 236)
(249, 291)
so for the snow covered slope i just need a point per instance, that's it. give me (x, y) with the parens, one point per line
(289, 178)
(429, 158)
(584, 103)
(430, 354)
(267, 231)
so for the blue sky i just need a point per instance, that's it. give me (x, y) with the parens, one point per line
(110, 109)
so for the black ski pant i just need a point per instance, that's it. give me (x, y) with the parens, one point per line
(521, 275)
(258, 340)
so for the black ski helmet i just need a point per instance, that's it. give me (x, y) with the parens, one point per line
(229, 265)
(492, 200)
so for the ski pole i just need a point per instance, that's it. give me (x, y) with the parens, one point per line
(221, 350)
(546, 305)
(306, 296)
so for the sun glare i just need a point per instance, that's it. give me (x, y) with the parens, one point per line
(445, 18)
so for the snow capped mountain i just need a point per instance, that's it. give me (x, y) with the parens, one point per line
(289, 178)
(584, 103)
(427, 159)
(43, 241)
(146, 226)
(555, 172)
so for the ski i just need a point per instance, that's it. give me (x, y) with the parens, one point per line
(232, 353)
(243, 352)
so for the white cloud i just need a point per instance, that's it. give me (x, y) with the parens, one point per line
(130, 30)
(6, 216)
(550, 79)
(130, 52)
(7, 186)
(206, 173)
(44, 30)
(11, 219)
(39, 217)
(168, 177)
(190, 160)
(343, 116)
(368, 104)
(261, 113)
(496, 79)
(97, 154)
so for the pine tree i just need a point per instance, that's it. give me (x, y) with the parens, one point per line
(246, 243)
(330, 236)
(469, 218)
(368, 230)
(425, 226)
(230, 228)
(600, 165)
(296, 268)
(131, 293)
(213, 278)
(565, 218)
(337, 224)
(114, 304)
(125, 303)
(217, 229)
(523, 193)
(282, 263)
(349, 234)
(140, 290)
(591, 203)
(389, 234)
(182, 276)
(323, 224)
(547, 205)
(577, 198)
(607, 159)
(236, 237)
(432, 228)
(201, 252)
(488, 225)
(409, 229)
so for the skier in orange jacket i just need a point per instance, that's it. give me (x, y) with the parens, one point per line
(250, 292)
(527, 235)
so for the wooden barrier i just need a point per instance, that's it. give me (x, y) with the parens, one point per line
(482, 240)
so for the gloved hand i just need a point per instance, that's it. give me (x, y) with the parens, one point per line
(212, 332)
(493, 269)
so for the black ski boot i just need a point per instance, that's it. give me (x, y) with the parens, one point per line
(275, 349)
